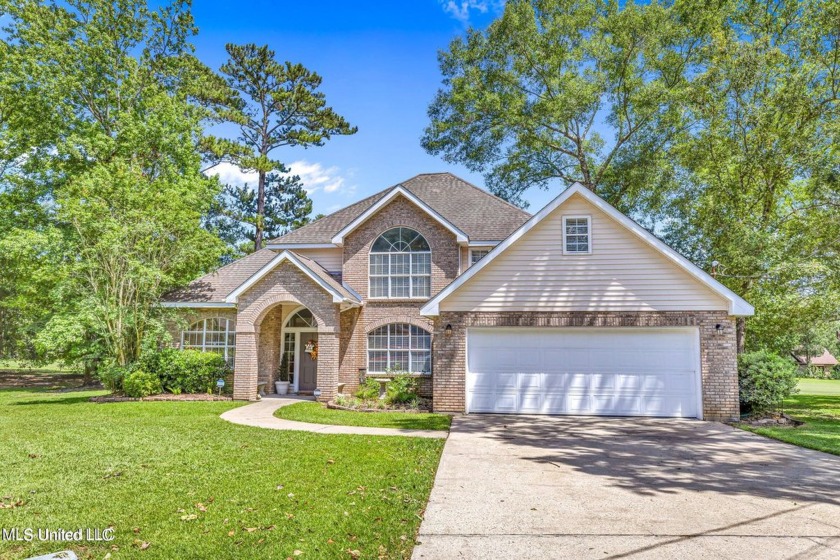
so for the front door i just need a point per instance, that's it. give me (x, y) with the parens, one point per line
(308, 374)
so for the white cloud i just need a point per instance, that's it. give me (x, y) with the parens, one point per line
(314, 176)
(461, 9)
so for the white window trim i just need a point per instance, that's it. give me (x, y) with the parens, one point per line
(588, 219)
(410, 275)
(388, 350)
(479, 249)
(203, 331)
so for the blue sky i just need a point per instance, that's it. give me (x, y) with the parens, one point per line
(379, 64)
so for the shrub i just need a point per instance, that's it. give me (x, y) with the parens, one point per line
(185, 371)
(369, 389)
(112, 377)
(141, 384)
(402, 389)
(764, 381)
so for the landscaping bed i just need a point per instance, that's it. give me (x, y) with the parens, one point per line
(317, 413)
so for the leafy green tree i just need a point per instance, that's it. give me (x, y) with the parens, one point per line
(277, 105)
(758, 188)
(564, 90)
(715, 123)
(109, 185)
(234, 217)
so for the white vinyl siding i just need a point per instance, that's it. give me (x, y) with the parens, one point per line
(331, 259)
(623, 273)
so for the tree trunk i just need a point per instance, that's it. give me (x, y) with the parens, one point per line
(740, 334)
(258, 238)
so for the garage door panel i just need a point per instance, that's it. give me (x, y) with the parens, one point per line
(633, 371)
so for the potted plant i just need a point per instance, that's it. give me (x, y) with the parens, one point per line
(282, 383)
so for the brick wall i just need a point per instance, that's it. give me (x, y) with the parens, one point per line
(718, 361)
(356, 324)
(258, 325)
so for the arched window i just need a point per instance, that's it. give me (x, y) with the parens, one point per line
(212, 335)
(400, 265)
(399, 346)
(302, 318)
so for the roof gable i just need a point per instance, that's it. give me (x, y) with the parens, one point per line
(318, 274)
(399, 190)
(564, 282)
(465, 208)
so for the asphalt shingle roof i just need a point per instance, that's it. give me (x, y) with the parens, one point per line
(482, 216)
(479, 214)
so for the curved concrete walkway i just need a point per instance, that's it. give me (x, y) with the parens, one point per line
(261, 415)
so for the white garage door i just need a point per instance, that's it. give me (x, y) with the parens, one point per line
(611, 372)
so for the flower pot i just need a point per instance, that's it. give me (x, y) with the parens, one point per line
(282, 387)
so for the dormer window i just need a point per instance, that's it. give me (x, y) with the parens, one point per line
(400, 265)
(577, 238)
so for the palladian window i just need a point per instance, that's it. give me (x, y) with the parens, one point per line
(212, 335)
(400, 265)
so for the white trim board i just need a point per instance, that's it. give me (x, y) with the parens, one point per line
(737, 305)
(233, 297)
(399, 190)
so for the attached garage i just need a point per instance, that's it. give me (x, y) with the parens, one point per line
(586, 371)
(583, 311)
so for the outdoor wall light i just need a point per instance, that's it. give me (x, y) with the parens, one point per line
(718, 329)
(448, 330)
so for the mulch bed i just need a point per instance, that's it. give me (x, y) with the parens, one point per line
(163, 397)
(335, 406)
(773, 419)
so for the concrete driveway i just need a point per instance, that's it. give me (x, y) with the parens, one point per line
(574, 487)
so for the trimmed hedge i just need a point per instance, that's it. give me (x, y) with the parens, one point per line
(141, 384)
(176, 371)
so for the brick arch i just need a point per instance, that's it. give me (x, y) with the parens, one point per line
(421, 322)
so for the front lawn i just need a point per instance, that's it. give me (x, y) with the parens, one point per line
(176, 481)
(316, 413)
(821, 414)
(819, 386)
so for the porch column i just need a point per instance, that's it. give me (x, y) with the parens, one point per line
(245, 367)
(327, 363)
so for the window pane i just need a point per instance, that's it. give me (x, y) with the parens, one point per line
(400, 263)
(379, 264)
(421, 263)
(377, 361)
(421, 362)
(400, 336)
(378, 339)
(400, 287)
(399, 361)
(421, 287)
(379, 286)
(476, 256)
(420, 339)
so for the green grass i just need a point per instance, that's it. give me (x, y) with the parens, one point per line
(18, 366)
(176, 476)
(819, 386)
(318, 414)
(819, 411)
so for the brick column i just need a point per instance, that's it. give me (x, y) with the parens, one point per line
(327, 363)
(449, 364)
(245, 367)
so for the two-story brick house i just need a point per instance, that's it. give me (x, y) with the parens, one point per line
(576, 309)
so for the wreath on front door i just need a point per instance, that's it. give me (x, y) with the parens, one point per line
(311, 348)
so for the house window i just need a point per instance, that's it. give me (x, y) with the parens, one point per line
(400, 265)
(399, 346)
(212, 335)
(576, 235)
(477, 254)
(302, 319)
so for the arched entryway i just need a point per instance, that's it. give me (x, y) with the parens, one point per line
(299, 354)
